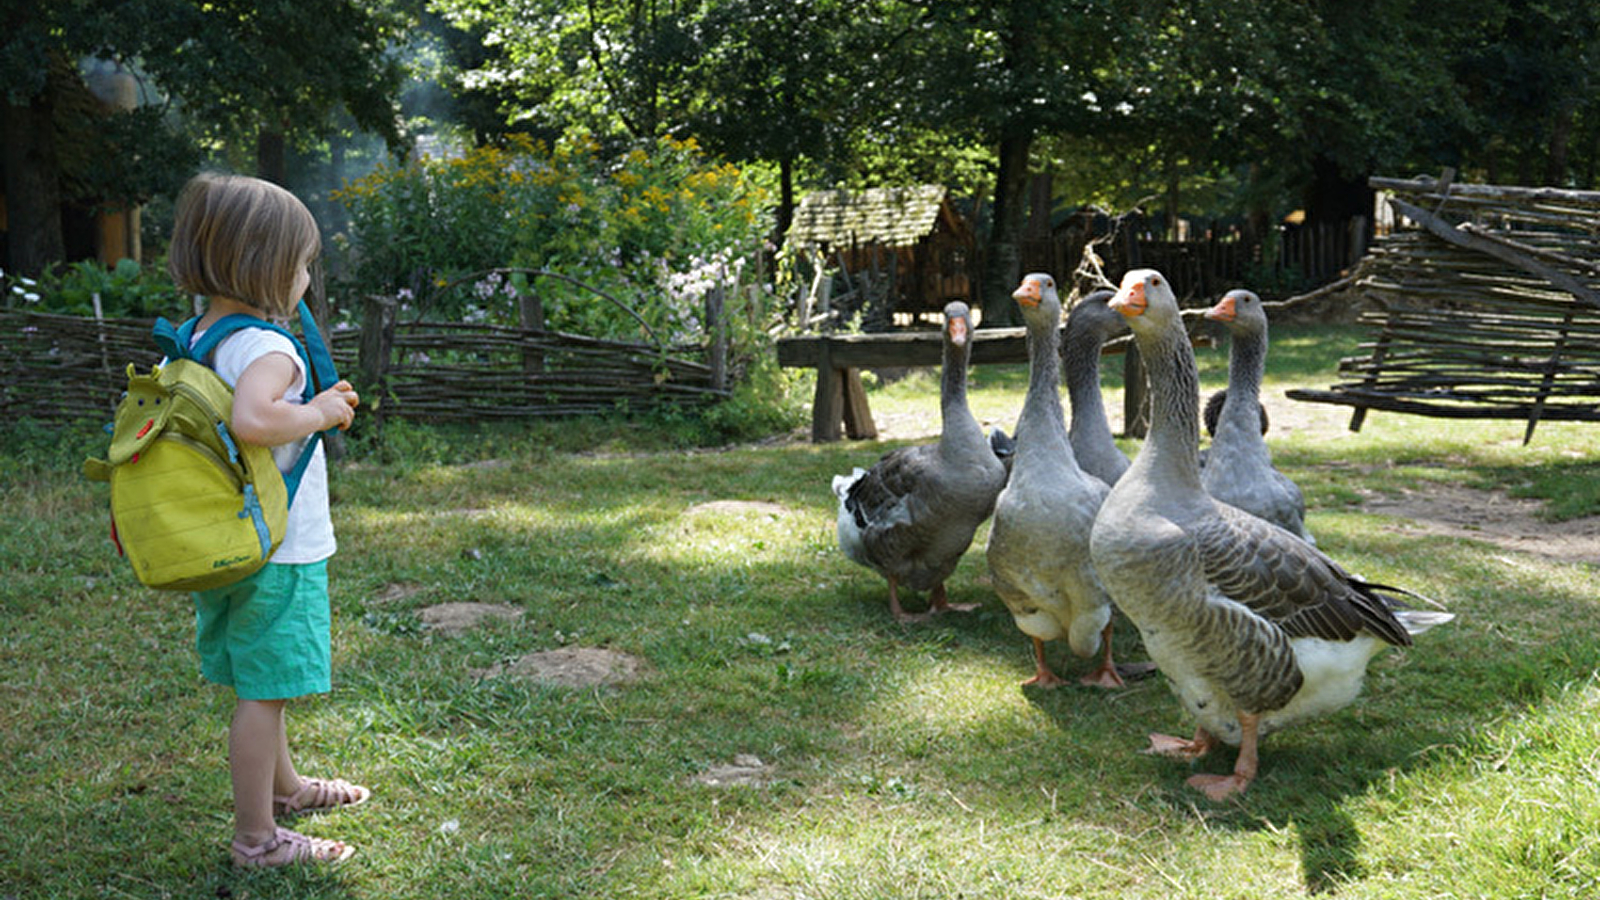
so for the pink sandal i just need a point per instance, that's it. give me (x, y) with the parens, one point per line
(293, 848)
(317, 794)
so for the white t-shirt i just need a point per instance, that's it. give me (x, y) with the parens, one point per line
(309, 537)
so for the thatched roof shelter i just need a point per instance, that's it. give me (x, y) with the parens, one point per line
(912, 236)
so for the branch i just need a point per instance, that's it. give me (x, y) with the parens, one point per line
(1497, 249)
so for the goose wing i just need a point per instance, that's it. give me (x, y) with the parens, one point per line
(1289, 582)
(893, 505)
(880, 494)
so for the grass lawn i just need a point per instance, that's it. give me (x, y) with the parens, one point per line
(889, 761)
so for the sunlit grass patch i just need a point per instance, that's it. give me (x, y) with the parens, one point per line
(902, 761)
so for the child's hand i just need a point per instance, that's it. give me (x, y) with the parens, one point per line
(337, 405)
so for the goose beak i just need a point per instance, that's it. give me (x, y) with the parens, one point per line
(1028, 293)
(1224, 311)
(958, 331)
(1130, 300)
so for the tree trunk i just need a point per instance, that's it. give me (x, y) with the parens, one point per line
(270, 164)
(1174, 190)
(785, 199)
(1555, 168)
(1335, 197)
(1003, 267)
(32, 186)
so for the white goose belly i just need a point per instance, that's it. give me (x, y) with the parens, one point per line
(1333, 672)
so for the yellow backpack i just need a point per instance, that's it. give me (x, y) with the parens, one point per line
(192, 507)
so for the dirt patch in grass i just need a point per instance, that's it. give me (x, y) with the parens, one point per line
(1491, 516)
(397, 592)
(571, 667)
(454, 618)
(736, 508)
(744, 770)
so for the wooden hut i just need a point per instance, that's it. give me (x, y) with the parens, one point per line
(910, 241)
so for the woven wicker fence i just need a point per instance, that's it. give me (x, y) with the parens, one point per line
(1489, 307)
(66, 368)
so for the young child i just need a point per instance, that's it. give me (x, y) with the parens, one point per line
(246, 245)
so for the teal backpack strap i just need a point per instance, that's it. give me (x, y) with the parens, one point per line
(177, 342)
(318, 358)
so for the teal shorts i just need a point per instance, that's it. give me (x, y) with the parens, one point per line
(268, 636)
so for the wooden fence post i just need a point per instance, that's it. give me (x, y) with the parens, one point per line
(322, 313)
(1135, 394)
(377, 345)
(827, 405)
(530, 315)
(717, 334)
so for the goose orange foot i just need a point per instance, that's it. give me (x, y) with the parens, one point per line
(1113, 675)
(1178, 748)
(1219, 787)
(1105, 676)
(939, 602)
(1045, 679)
(898, 611)
(1043, 675)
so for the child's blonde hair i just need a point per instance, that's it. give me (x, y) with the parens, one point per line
(241, 238)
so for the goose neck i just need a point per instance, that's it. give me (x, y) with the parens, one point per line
(1081, 363)
(1173, 446)
(1041, 405)
(1247, 363)
(955, 416)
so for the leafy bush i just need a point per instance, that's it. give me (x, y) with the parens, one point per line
(655, 230)
(126, 290)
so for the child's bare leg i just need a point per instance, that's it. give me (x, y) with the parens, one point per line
(285, 780)
(255, 741)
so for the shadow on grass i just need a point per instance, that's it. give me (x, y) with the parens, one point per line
(584, 547)
(1511, 649)
(1569, 488)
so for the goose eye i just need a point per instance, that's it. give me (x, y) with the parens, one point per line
(1155, 281)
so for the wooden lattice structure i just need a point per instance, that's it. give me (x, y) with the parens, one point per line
(71, 368)
(1487, 306)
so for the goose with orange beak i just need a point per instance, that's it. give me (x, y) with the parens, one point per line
(1039, 542)
(1255, 629)
(1239, 469)
(912, 515)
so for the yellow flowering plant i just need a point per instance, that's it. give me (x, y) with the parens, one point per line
(655, 228)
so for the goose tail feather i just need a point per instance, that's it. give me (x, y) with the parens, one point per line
(1391, 589)
(1416, 621)
(843, 483)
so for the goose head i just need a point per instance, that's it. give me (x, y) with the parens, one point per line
(1146, 300)
(1241, 311)
(1038, 298)
(1093, 314)
(957, 323)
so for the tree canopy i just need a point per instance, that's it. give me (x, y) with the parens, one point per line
(1242, 108)
(226, 74)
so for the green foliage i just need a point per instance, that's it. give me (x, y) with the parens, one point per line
(613, 68)
(766, 401)
(243, 67)
(655, 231)
(126, 290)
